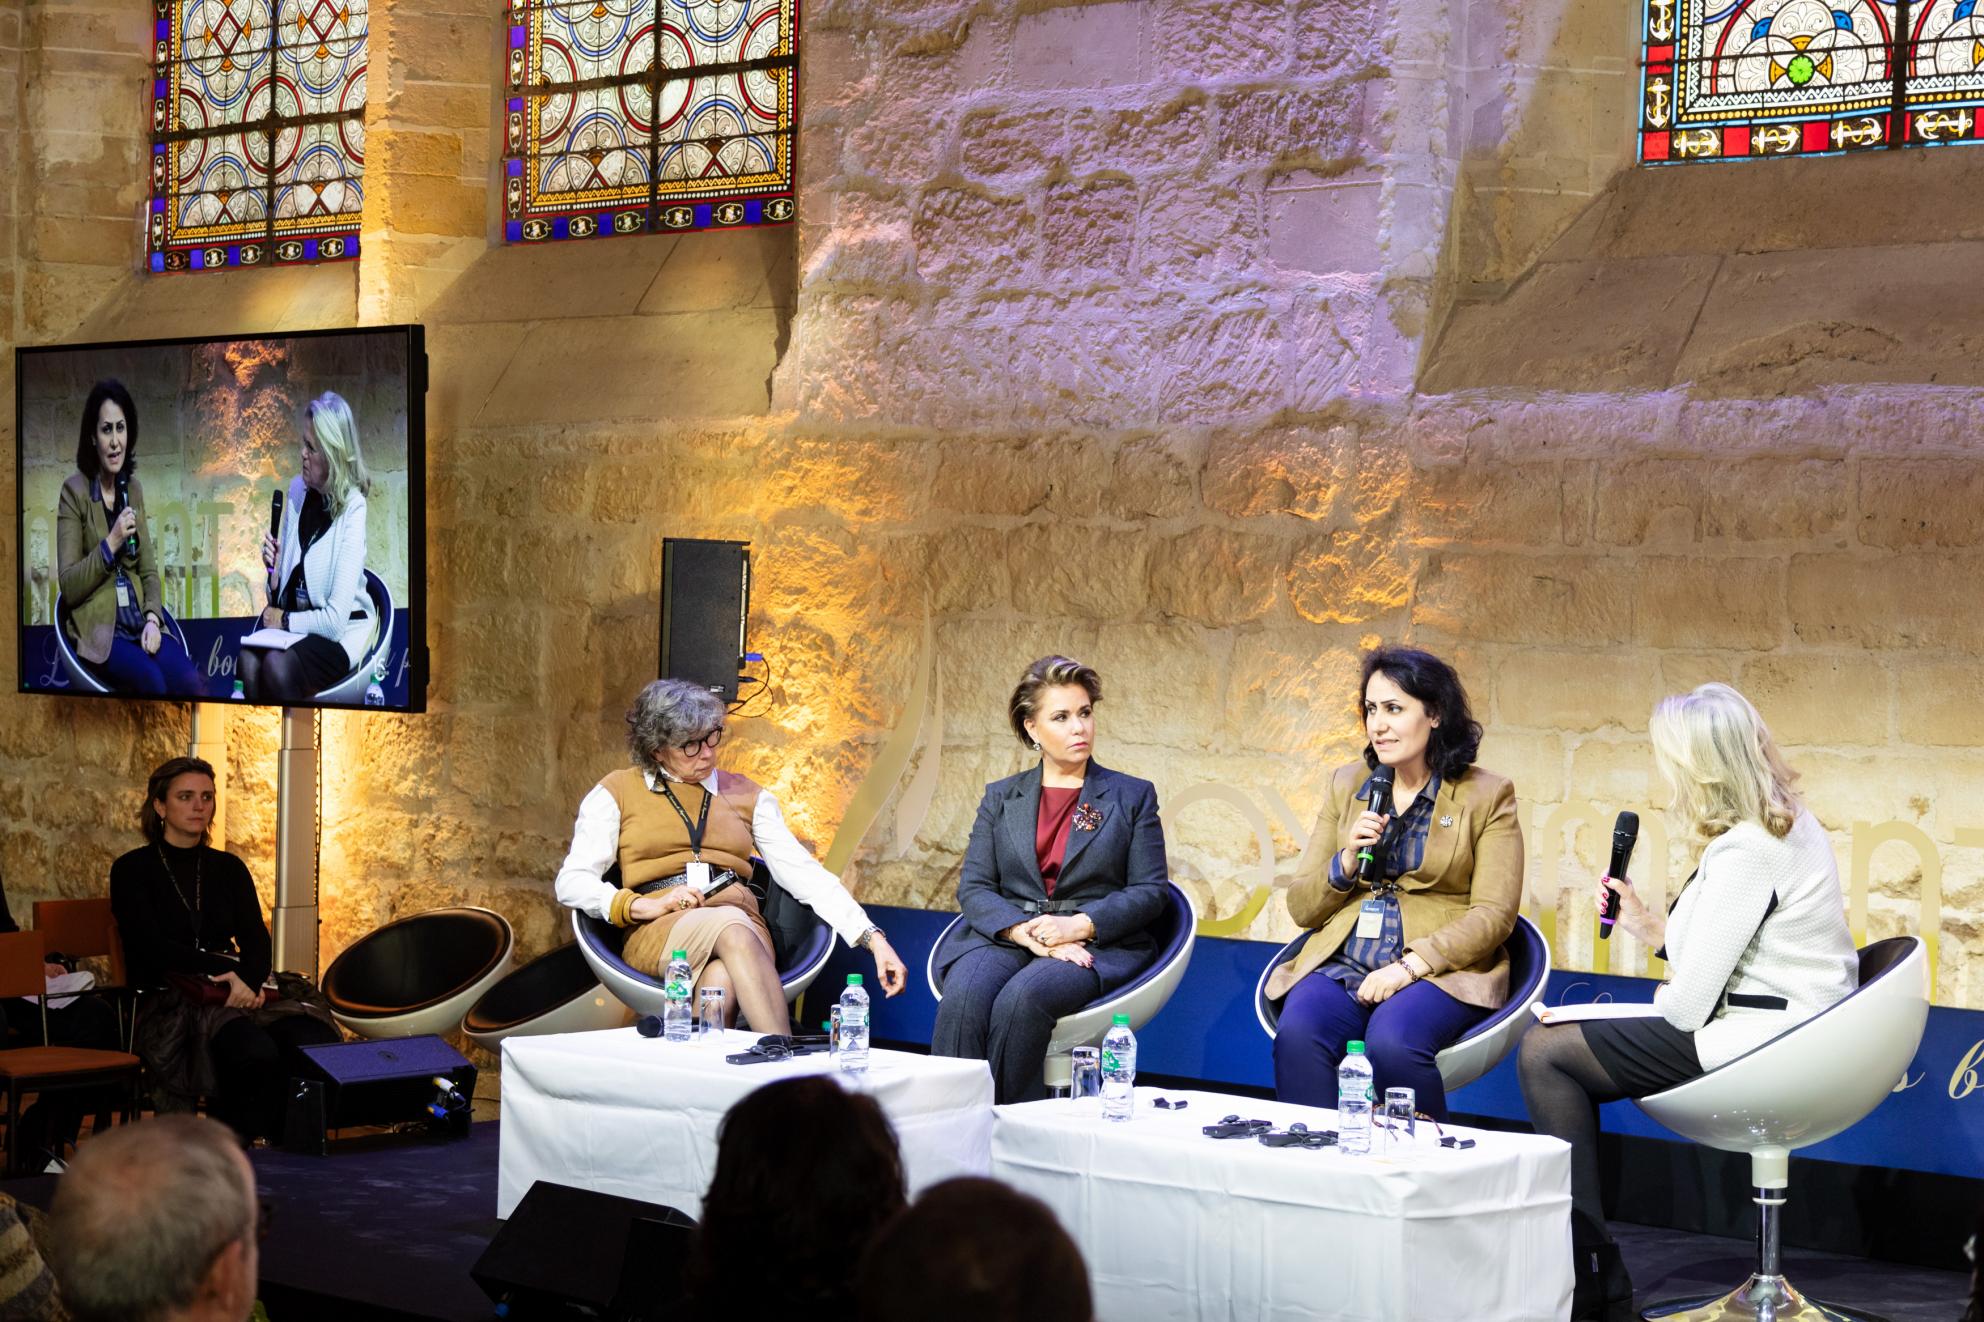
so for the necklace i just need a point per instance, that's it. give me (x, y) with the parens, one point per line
(178, 889)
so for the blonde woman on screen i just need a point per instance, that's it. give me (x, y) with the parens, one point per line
(1756, 943)
(316, 566)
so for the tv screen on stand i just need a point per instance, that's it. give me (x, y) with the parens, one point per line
(214, 519)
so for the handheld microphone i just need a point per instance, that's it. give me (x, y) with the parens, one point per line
(1625, 834)
(275, 512)
(648, 1025)
(124, 503)
(1379, 801)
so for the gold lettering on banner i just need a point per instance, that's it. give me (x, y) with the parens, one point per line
(1963, 1080)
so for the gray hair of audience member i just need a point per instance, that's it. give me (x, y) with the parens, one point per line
(142, 1214)
(669, 711)
(940, 1254)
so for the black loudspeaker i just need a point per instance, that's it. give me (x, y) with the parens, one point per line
(705, 600)
(569, 1252)
(378, 1083)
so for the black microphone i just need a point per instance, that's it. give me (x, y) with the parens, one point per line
(275, 512)
(648, 1025)
(124, 503)
(1379, 799)
(1625, 834)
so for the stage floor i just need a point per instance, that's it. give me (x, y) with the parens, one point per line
(386, 1229)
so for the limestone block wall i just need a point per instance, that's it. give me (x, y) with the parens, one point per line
(1142, 330)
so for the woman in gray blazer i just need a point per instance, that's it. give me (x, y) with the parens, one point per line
(1756, 943)
(1064, 873)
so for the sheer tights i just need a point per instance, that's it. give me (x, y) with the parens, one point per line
(268, 675)
(1563, 1083)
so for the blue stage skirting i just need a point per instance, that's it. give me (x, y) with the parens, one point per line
(1208, 1032)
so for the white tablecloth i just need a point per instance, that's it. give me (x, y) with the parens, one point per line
(636, 1116)
(1176, 1225)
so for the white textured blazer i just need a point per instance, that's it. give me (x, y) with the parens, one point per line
(1762, 919)
(333, 575)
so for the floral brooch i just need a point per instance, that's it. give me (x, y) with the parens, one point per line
(1087, 817)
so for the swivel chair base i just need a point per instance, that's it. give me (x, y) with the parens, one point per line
(1764, 1298)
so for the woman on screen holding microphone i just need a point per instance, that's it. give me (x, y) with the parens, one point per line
(316, 566)
(1407, 953)
(1756, 943)
(104, 553)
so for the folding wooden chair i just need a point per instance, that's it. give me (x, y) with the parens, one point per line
(86, 929)
(46, 1069)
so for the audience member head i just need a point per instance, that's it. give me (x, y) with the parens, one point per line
(332, 462)
(109, 441)
(156, 1222)
(674, 727)
(974, 1250)
(1719, 760)
(179, 803)
(806, 1173)
(1434, 718)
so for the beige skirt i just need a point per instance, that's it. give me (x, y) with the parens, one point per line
(696, 930)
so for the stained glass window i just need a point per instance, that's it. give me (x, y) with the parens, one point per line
(1735, 79)
(638, 116)
(258, 132)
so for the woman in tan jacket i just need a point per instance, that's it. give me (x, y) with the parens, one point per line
(111, 611)
(1409, 957)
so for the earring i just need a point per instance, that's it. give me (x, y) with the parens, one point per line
(1036, 745)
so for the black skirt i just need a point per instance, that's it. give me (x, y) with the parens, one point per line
(1643, 1056)
(321, 660)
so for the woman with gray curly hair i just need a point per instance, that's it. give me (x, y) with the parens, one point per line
(682, 833)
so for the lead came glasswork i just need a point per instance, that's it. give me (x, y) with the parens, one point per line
(258, 132)
(632, 116)
(1740, 79)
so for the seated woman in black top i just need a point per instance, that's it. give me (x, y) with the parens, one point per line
(192, 925)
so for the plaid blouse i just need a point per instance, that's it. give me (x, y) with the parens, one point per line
(1407, 833)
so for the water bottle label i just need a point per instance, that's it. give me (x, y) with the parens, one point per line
(854, 1019)
(1109, 1061)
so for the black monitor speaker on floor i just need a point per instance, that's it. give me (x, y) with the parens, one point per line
(384, 1082)
(705, 600)
(569, 1252)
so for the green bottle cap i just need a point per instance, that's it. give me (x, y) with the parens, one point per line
(1121, 1021)
(678, 954)
(1356, 1048)
(854, 979)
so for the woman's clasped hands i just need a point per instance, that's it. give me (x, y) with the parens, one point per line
(1056, 936)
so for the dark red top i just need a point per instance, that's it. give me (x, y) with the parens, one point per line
(1050, 837)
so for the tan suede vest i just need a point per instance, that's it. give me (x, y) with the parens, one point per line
(654, 842)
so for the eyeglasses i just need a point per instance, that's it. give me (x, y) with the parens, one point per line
(710, 740)
(1166, 1104)
(1446, 1140)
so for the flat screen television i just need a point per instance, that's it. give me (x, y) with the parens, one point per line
(157, 479)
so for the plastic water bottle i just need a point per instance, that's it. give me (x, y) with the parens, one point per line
(375, 692)
(1354, 1095)
(677, 1018)
(853, 1034)
(240, 694)
(1119, 1070)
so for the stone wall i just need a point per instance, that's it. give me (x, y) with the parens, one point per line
(1179, 337)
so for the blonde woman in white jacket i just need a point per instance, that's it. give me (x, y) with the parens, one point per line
(1756, 943)
(316, 566)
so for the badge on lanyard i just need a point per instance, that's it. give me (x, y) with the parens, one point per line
(1370, 920)
(123, 594)
(696, 875)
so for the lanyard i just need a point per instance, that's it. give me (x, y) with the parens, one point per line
(695, 828)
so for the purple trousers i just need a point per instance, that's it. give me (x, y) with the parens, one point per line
(1401, 1037)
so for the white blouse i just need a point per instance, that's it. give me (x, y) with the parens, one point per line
(596, 847)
